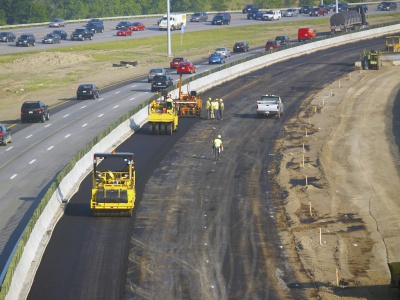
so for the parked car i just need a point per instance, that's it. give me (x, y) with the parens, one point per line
(124, 32)
(174, 63)
(57, 22)
(5, 135)
(240, 47)
(317, 11)
(62, 33)
(248, 8)
(224, 51)
(95, 26)
(305, 9)
(51, 38)
(138, 26)
(291, 12)
(282, 40)
(216, 58)
(7, 36)
(156, 71)
(123, 24)
(199, 17)
(306, 33)
(271, 45)
(161, 82)
(88, 90)
(81, 34)
(186, 67)
(221, 19)
(34, 111)
(388, 6)
(26, 40)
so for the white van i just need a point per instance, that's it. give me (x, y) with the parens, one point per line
(271, 15)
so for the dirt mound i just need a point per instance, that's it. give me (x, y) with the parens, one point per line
(51, 59)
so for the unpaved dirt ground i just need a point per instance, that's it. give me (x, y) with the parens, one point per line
(340, 167)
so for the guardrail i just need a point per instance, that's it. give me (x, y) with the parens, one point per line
(30, 245)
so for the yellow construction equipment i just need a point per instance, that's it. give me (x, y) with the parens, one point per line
(113, 192)
(393, 43)
(188, 104)
(371, 59)
(163, 116)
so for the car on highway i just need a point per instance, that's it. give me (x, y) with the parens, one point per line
(161, 82)
(57, 22)
(306, 33)
(216, 58)
(7, 36)
(240, 47)
(271, 45)
(253, 14)
(224, 51)
(317, 11)
(88, 90)
(123, 24)
(325, 7)
(186, 67)
(125, 31)
(174, 63)
(62, 33)
(305, 9)
(291, 12)
(138, 26)
(81, 34)
(34, 111)
(343, 6)
(199, 17)
(95, 26)
(5, 135)
(51, 38)
(282, 40)
(156, 71)
(221, 19)
(248, 8)
(387, 6)
(26, 40)
(94, 20)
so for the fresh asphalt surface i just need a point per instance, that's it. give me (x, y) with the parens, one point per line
(87, 257)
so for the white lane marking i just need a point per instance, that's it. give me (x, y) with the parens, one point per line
(83, 106)
(32, 161)
(117, 92)
(9, 148)
(115, 106)
(66, 116)
(133, 85)
(29, 136)
(12, 177)
(48, 149)
(84, 125)
(67, 136)
(131, 99)
(99, 116)
(47, 125)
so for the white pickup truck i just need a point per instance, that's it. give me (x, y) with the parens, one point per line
(269, 105)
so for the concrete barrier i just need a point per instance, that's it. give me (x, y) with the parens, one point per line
(24, 272)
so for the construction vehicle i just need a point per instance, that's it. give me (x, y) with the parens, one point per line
(394, 268)
(163, 116)
(344, 21)
(188, 104)
(113, 192)
(393, 43)
(371, 59)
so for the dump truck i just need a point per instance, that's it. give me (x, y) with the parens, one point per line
(113, 184)
(394, 268)
(344, 21)
(163, 116)
(371, 59)
(188, 104)
(393, 43)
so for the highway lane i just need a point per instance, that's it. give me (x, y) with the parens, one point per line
(182, 247)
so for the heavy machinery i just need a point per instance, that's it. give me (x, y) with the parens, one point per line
(371, 59)
(163, 116)
(188, 104)
(113, 192)
(344, 21)
(394, 268)
(393, 43)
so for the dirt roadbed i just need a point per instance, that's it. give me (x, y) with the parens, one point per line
(340, 169)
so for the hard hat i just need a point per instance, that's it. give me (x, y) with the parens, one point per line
(216, 99)
(220, 100)
(209, 98)
(219, 136)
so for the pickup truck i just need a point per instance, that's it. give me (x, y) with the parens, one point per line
(269, 105)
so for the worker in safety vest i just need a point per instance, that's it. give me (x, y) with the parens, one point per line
(208, 108)
(215, 105)
(169, 101)
(218, 146)
(221, 108)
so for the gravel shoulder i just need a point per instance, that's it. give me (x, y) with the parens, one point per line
(340, 166)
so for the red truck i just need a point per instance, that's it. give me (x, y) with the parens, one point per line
(306, 33)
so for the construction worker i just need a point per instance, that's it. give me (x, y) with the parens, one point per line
(221, 108)
(217, 146)
(216, 108)
(169, 101)
(208, 108)
(153, 106)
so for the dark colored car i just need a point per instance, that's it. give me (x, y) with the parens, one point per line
(26, 40)
(252, 14)
(94, 20)
(271, 45)
(317, 11)
(51, 38)
(186, 67)
(343, 6)
(305, 9)
(81, 34)
(5, 135)
(161, 82)
(325, 7)
(86, 91)
(216, 58)
(123, 24)
(199, 17)
(248, 8)
(174, 63)
(221, 19)
(388, 6)
(240, 47)
(34, 111)
(282, 40)
(62, 33)
(7, 37)
(95, 27)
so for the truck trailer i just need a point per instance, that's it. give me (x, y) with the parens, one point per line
(176, 21)
(344, 21)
